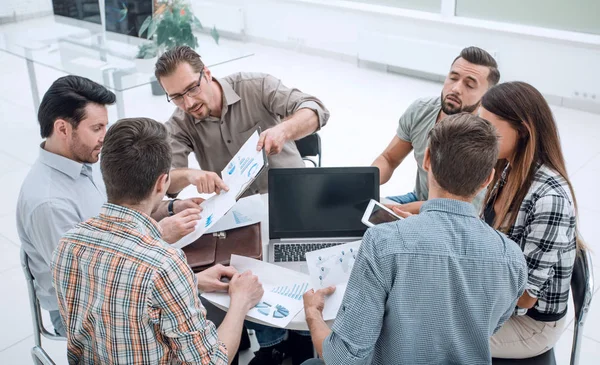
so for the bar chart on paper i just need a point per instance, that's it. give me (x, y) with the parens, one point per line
(291, 291)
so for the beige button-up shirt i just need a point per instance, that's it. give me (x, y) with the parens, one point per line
(249, 100)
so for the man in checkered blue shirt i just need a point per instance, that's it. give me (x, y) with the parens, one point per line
(434, 287)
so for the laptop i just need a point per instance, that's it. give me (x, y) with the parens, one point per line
(314, 208)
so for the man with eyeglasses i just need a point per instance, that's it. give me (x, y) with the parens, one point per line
(215, 117)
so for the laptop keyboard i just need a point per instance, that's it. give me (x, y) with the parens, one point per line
(295, 251)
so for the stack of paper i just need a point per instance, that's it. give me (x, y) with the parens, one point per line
(332, 266)
(283, 288)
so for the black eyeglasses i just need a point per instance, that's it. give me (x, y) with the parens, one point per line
(192, 91)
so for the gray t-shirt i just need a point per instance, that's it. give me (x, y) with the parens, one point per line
(414, 127)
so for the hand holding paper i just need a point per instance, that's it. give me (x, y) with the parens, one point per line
(283, 290)
(238, 175)
(332, 267)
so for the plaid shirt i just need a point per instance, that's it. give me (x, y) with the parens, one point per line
(545, 230)
(128, 298)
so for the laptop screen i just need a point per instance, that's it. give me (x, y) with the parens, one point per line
(320, 202)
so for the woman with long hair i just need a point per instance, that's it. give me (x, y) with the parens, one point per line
(532, 201)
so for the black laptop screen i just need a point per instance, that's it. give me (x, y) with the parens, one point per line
(320, 202)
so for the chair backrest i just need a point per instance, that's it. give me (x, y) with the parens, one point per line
(36, 313)
(310, 146)
(582, 290)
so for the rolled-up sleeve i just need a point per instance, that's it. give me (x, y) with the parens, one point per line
(360, 317)
(285, 101)
(181, 318)
(550, 233)
(180, 141)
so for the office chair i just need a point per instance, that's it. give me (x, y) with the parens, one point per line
(36, 314)
(310, 146)
(582, 290)
(40, 357)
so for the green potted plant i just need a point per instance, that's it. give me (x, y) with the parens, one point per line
(171, 25)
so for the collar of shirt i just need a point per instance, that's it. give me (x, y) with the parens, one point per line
(65, 165)
(230, 97)
(450, 206)
(121, 214)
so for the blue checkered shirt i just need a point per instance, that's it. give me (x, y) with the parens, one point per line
(429, 289)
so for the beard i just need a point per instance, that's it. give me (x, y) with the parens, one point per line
(450, 110)
(202, 114)
(83, 153)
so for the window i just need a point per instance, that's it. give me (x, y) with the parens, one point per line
(576, 15)
(433, 6)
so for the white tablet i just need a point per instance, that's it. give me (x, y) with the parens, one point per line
(377, 213)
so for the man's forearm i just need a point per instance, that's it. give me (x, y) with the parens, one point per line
(230, 330)
(161, 211)
(179, 180)
(385, 169)
(318, 330)
(302, 123)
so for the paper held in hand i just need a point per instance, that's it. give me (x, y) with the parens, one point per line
(332, 266)
(282, 299)
(239, 174)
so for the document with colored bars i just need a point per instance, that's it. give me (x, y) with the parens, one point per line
(283, 290)
(239, 173)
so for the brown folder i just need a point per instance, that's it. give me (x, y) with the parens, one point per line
(217, 248)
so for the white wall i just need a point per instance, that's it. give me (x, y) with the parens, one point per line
(21, 9)
(557, 67)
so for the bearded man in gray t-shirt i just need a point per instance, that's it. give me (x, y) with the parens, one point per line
(472, 73)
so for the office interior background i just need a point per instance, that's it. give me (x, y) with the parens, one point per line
(366, 60)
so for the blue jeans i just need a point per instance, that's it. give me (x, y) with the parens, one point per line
(270, 336)
(404, 199)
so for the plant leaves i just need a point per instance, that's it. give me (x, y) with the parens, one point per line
(152, 29)
(197, 23)
(144, 26)
(215, 34)
(162, 35)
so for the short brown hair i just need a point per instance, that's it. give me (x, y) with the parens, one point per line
(481, 57)
(463, 150)
(135, 153)
(168, 62)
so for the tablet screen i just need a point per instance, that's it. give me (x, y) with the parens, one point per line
(380, 215)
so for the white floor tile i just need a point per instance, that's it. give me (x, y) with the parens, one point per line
(15, 314)
(585, 183)
(10, 163)
(20, 353)
(578, 136)
(8, 228)
(589, 353)
(9, 255)
(10, 185)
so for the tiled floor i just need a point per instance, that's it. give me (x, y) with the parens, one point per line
(365, 106)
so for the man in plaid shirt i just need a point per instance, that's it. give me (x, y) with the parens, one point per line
(125, 296)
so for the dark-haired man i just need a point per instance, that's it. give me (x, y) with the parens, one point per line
(125, 295)
(472, 73)
(215, 117)
(65, 187)
(434, 287)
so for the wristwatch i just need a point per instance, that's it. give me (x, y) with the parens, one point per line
(170, 207)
